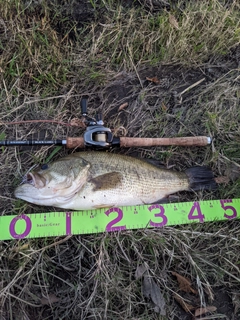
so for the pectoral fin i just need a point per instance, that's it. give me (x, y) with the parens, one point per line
(102, 206)
(107, 181)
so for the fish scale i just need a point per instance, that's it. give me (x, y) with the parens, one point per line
(89, 180)
(141, 182)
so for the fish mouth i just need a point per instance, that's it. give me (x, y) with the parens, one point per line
(24, 191)
(29, 187)
(28, 192)
(28, 179)
(34, 179)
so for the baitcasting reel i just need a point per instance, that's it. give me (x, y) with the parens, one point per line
(96, 135)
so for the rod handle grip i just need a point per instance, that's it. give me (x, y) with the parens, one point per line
(127, 142)
(200, 141)
(75, 143)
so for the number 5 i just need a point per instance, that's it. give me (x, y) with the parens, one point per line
(228, 207)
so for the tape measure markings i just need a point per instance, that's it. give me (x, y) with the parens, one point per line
(116, 218)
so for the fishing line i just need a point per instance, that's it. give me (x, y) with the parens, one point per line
(54, 224)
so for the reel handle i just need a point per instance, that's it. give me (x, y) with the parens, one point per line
(84, 106)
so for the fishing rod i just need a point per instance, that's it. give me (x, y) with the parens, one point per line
(100, 137)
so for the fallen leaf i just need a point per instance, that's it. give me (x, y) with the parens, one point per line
(1, 284)
(141, 270)
(25, 246)
(122, 106)
(151, 290)
(164, 107)
(209, 292)
(222, 179)
(154, 80)
(236, 301)
(186, 306)
(232, 171)
(173, 21)
(50, 299)
(184, 283)
(200, 311)
(77, 123)
(120, 131)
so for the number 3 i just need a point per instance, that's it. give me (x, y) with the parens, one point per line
(160, 214)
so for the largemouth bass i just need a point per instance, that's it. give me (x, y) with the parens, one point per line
(90, 180)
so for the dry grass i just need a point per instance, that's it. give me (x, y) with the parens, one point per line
(48, 62)
(94, 276)
(132, 37)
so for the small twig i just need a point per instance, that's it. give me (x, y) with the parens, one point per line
(51, 245)
(209, 234)
(38, 100)
(38, 121)
(130, 56)
(192, 86)
(5, 87)
(25, 301)
(235, 163)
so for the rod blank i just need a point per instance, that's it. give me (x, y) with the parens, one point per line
(124, 142)
(9, 143)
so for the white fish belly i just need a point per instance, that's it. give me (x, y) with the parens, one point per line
(126, 195)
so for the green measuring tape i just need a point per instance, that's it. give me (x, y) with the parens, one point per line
(54, 224)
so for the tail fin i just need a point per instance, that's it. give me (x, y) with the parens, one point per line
(201, 178)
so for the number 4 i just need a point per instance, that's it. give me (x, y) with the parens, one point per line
(199, 216)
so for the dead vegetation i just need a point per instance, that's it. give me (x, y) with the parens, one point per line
(52, 54)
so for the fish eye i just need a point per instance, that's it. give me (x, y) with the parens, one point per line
(44, 166)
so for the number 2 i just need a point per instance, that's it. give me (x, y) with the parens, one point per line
(110, 226)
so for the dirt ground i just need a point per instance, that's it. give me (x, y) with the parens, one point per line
(94, 276)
